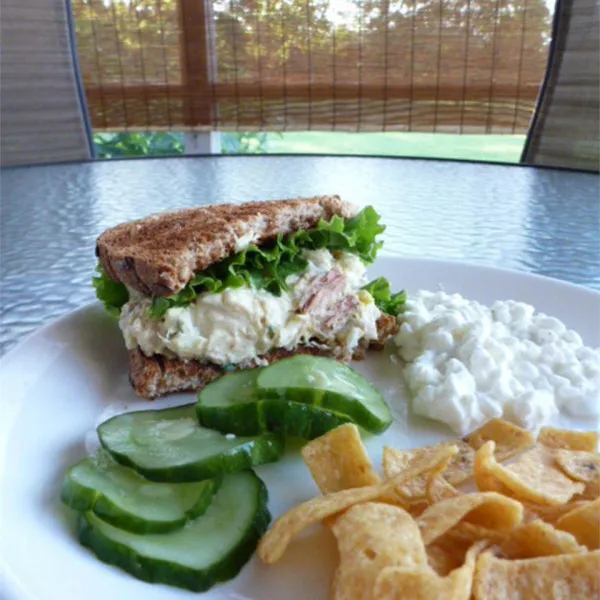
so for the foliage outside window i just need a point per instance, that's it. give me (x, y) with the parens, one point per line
(452, 66)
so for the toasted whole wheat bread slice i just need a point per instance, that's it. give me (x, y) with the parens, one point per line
(154, 376)
(160, 254)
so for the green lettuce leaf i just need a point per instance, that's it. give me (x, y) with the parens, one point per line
(113, 295)
(269, 266)
(386, 302)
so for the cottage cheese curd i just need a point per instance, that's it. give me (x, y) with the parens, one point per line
(468, 363)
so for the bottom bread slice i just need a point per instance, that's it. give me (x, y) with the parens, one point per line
(154, 376)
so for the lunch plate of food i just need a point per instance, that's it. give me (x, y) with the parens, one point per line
(262, 405)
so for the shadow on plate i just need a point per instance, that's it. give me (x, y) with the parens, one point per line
(50, 498)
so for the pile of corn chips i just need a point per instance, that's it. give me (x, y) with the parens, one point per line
(529, 530)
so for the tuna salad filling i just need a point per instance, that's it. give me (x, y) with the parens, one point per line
(324, 307)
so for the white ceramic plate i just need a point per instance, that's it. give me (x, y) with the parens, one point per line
(69, 376)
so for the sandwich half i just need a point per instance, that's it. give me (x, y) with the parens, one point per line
(203, 291)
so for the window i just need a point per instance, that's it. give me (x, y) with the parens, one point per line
(443, 66)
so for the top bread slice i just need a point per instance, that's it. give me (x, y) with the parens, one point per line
(160, 254)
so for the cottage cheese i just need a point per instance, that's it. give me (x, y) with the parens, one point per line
(467, 363)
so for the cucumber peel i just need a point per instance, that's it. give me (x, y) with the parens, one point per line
(293, 419)
(120, 496)
(170, 446)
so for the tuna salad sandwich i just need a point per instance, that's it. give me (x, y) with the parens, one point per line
(203, 291)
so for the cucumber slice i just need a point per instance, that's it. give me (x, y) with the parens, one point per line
(211, 549)
(327, 384)
(232, 389)
(277, 416)
(169, 446)
(120, 496)
(231, 405)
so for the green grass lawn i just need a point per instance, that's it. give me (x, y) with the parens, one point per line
(494, 148)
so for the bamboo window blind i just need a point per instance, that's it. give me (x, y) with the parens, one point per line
(348, 65)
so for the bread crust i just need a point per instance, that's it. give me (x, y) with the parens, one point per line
(160, 254)
(154, 376)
